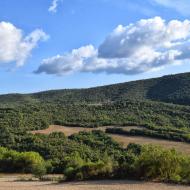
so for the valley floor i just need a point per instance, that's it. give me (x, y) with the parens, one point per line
(12, 183)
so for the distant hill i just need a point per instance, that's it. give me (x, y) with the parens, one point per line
(170, 89)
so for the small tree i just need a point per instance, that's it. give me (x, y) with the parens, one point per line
(39, 170)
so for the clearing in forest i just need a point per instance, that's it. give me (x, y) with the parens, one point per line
(125, 140)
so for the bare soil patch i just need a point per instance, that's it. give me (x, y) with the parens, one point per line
(11, 183)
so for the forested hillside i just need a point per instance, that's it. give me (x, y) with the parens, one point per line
(160, 107)
(133, 103)
(172, 88)
(118, 105)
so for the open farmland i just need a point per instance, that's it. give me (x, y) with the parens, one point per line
(125, 140)
(72, 130)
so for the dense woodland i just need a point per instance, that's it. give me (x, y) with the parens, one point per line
(160, 106)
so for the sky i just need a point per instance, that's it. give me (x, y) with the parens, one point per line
(57, 44)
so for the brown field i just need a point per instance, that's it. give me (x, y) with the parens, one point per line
(11, 183)
(180, 146)
(71, 130)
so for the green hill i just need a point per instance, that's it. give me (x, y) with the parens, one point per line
(171, 89)
(159, 104)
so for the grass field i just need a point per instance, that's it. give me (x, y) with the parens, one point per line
(180, 146)
(71, 130)
(11, 183)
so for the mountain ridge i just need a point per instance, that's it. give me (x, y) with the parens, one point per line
(170, 89)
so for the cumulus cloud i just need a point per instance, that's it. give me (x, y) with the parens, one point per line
(181, 6)
(68, 62)
(143, 46)
(14, 47)
(53, 7)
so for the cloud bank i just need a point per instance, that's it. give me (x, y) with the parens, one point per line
(146, 45)
(14, 47)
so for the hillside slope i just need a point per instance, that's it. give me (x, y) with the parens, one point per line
(171, 89)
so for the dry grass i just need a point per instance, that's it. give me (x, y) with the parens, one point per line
(180, 146)
(66, 130)
(11, 183)
(72, 130)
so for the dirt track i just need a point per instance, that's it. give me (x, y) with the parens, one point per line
(10, 183)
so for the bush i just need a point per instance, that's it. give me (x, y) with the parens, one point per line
(157, 163)
(25, 162)
(39, 170)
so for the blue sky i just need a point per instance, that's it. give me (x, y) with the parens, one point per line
(32, 35)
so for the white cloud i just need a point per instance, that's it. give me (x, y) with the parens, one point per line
(68, 62)
(14, 47)
(153, 33)
(181, 6)
(53, 7)
(146, 45)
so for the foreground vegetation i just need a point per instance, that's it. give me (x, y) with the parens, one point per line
(94, 155)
